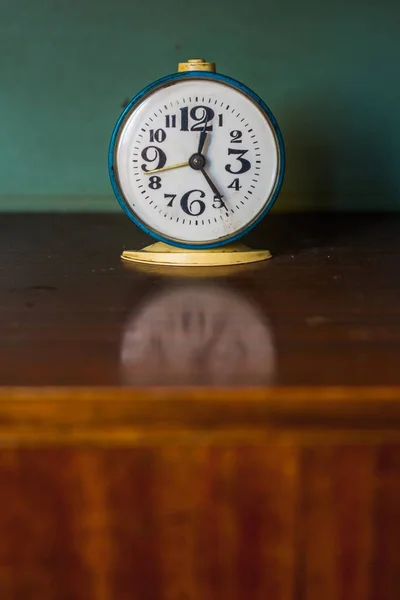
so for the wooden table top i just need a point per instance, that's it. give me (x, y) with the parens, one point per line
(220, 435)
(312, 333)
(323, 312)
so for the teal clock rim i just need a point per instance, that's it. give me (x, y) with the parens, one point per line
(196, 75)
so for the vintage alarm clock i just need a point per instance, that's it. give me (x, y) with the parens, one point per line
(196, 160)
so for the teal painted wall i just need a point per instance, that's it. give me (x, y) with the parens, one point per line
(328, 69)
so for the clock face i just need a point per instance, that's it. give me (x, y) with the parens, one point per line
(196, 162)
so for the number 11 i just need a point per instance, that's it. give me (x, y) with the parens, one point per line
(170, 121)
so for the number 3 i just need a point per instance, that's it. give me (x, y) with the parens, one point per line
(245, 164)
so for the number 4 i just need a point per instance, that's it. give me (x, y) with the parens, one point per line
(235, 185)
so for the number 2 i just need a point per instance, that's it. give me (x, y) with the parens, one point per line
(236, 136)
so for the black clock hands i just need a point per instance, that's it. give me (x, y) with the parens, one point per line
(214, 188)
(203, 137)
(198, 161)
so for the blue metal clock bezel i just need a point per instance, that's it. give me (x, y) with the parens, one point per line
(196, 75)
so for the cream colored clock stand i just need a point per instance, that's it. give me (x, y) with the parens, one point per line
(164, 254)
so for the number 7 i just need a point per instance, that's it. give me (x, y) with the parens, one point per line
(172, 196)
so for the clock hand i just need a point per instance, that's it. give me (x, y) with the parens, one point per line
(203, 136)
(197, 162)
(184, 164)
(212, 185)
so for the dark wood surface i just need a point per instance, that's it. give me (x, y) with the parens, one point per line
(324, 311)
(223, 436)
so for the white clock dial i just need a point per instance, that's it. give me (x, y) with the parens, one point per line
(196, 161)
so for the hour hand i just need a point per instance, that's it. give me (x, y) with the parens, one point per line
(203, 137)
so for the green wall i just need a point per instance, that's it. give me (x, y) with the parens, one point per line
(329, 70)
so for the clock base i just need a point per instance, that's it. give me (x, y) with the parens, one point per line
(164, 254)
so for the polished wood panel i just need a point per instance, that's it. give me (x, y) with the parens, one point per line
(200, 436)
(278, 520)
(128, 417)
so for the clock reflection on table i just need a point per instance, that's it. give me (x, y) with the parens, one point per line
(197, 334)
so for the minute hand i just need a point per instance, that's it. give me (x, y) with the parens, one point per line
(212, 185)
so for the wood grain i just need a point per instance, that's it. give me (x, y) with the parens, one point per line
(127, 417)
(219, 437)
(281, 521)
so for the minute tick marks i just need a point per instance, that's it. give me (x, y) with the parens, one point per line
(165, 142)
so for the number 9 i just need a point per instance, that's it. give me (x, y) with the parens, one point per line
(158, 155)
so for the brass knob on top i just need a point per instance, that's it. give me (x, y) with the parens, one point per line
(196, 64)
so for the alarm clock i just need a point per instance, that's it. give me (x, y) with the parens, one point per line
(196, 160)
